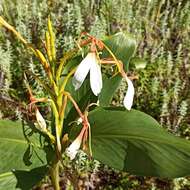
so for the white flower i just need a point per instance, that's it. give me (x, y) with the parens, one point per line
(41, 121)
(128, 100)
(89, 64)
(72, 150)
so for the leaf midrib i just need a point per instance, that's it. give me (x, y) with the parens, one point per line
(6, 174)
(132, 137)
(18, 141)
(13, 140)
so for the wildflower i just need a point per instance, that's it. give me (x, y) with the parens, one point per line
(72, 150)
(89, 64)
(40, 120)
(128, 99)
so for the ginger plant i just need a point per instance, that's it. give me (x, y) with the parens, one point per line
(121, 137)
(58, 97)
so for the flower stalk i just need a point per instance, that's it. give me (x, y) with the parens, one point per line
(54, 173)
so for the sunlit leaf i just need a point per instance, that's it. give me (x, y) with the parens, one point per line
(15, 152)
(122, 45)
(134, 142)
(110, 85)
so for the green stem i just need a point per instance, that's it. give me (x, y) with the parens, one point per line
(54, 172)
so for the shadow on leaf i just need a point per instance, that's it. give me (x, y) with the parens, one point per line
(28, 179)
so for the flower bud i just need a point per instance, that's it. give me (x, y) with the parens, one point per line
(41, 121)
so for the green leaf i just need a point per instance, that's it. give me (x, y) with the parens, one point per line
(122, 45)
(134, 142)
(74, 62)
(83, 97)
(8, 181)
(16, 153)
(14, 149)
(110, 85)
(21, 179)
(28, 179)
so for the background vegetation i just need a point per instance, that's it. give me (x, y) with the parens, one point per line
(162, 30)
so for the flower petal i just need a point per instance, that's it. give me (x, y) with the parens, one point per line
(128, 100)
(82, 71)
(41, 121)
(95, 77)
(72, 150)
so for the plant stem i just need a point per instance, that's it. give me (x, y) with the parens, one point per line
(54, 172)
